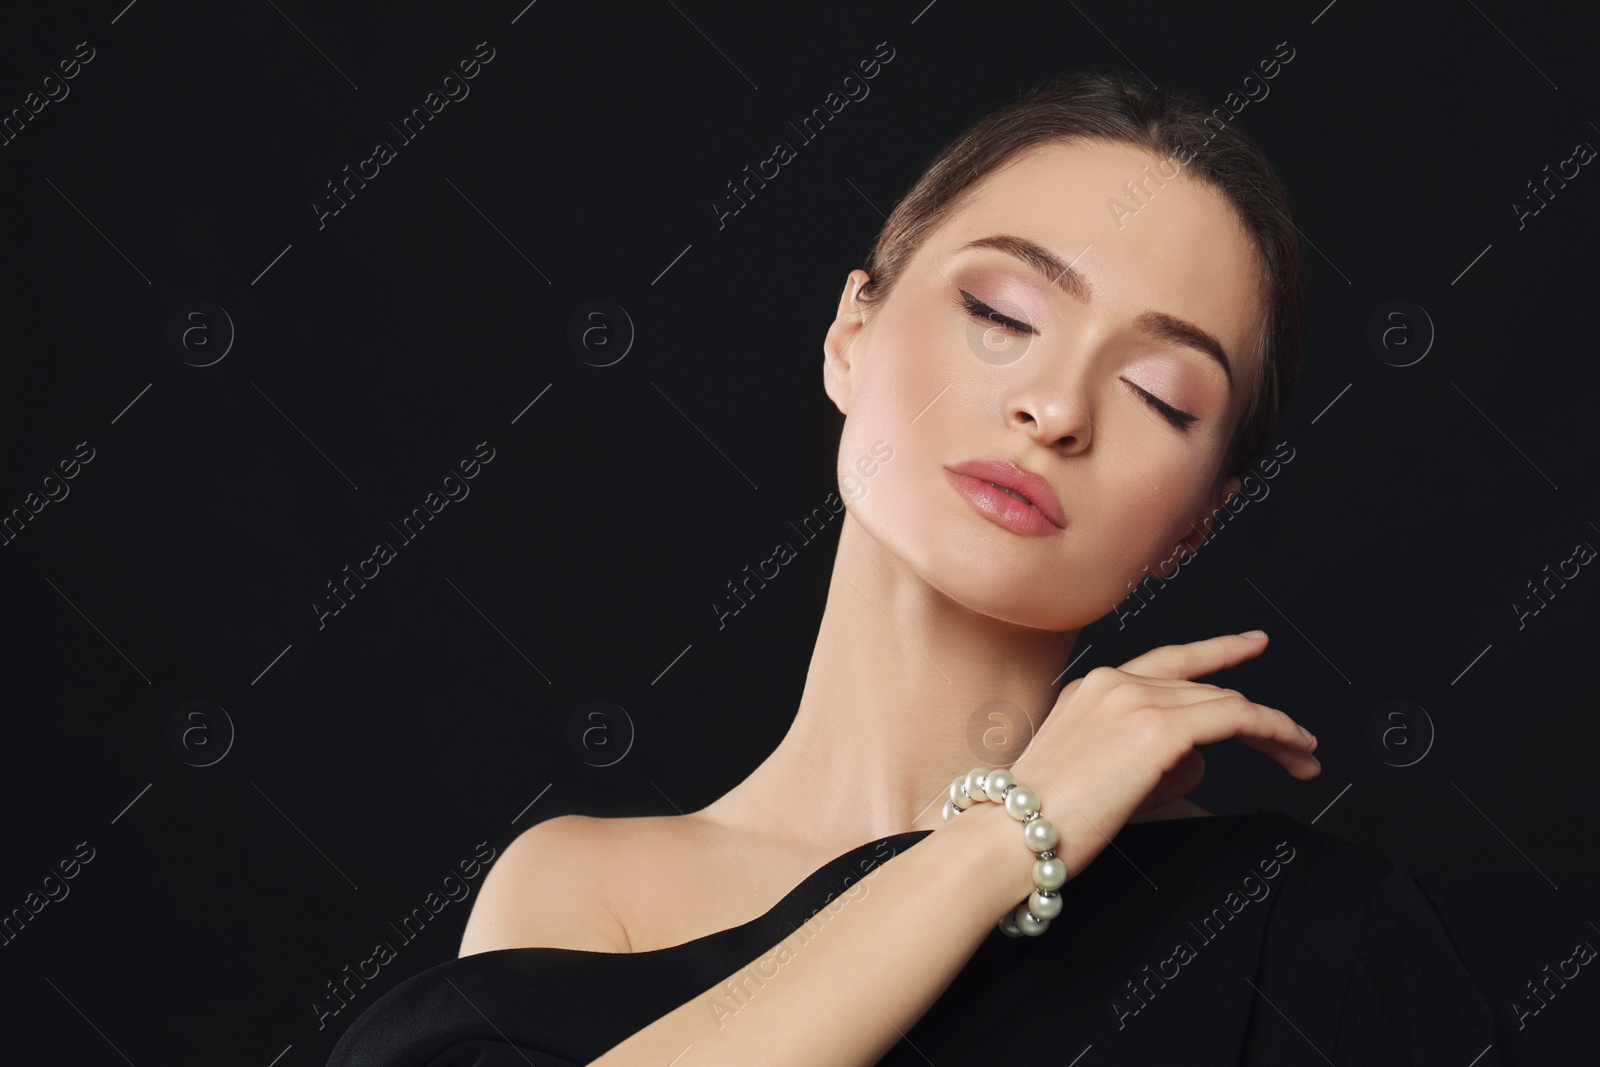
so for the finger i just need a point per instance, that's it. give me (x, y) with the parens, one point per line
(1197, 658)
(1265, 745)
(1266, 729)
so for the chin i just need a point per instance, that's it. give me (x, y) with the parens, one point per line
(1023, 581)
(1026, 604)
(976, 574)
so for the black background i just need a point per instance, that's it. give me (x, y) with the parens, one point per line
(448, 703)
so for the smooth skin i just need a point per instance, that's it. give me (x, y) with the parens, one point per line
(934, 612)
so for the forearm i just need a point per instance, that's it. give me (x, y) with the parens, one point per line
(844, 987)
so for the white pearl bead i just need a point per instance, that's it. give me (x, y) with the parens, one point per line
(997, 784)
(958, 795)
(974, 790)
(1020, 801)
(1009, 928)
(950, 811)
(1049, 874)
(1030, 926)
(1040, 834)
(1046, 907)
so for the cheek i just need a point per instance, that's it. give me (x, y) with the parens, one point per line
(881, 456)
(1118, 525)
(895, 439)
(908, 376)
(1137, 524)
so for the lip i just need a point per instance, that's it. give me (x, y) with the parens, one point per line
(1042, 514)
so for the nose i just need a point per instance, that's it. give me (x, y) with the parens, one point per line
(1049, 416)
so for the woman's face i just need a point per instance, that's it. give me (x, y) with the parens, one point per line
(925, 385)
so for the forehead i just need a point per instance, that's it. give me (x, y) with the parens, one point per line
(1168, 243)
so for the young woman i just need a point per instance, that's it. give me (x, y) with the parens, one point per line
(1072, 337)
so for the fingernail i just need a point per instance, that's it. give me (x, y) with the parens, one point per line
(1307, 734)
(1254, 635)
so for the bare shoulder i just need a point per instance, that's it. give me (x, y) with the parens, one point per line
(547, 890)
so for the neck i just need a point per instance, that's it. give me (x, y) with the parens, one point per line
(906, 689)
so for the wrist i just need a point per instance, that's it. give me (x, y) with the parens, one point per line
(999, 785)
(998, 862)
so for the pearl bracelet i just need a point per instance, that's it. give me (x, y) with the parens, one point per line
(1031, 917)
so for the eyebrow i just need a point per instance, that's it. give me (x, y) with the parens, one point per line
(1156, 325)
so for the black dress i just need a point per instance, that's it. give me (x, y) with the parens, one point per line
(1229, 939)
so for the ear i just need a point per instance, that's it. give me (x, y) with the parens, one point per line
(838, 363)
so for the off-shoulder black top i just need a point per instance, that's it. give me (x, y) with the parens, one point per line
(1228, 939)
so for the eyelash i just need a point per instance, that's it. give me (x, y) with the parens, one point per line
(979, 310)
(1181, 420)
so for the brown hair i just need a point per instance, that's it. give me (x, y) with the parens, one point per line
(1104, 104)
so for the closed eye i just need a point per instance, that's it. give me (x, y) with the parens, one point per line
(1181, 419)
(984, 313)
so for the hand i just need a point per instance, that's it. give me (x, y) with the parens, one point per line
(1122, 739)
